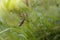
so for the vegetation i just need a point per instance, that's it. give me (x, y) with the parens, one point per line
(29, 19)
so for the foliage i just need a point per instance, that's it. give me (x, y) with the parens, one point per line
(41, 23)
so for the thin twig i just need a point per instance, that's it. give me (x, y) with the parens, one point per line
(27, 2)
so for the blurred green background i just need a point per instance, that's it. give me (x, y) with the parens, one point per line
(42, 20)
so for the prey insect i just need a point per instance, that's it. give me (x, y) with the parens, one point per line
(22, 19)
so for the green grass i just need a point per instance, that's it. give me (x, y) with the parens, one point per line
(42, 21)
